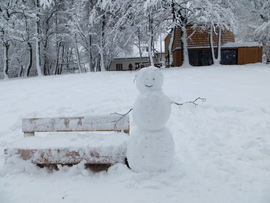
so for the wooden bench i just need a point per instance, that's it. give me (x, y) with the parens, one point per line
(72, 149)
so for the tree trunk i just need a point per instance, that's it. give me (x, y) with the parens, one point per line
(30, 59)
(102, 44)
(150, 42)
(212, 46)
(150, 51)
(171, 47)
(91, 66)
(97, 66)
(62, 60)
(102, 66)
(21, 74)
(218, 60)
(37, 34)
(45, 64)
(185, 47)
(77, 54)
(69, 52)
(6, 59)
(139, 45)
(140, 53)
(57, 66)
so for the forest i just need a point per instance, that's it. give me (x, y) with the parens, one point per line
(53, 37)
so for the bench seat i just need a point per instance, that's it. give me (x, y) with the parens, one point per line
(72, 148)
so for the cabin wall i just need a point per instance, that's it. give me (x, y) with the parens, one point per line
(177, 57)
(249, 55)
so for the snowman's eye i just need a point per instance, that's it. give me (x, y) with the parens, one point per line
(153, 78)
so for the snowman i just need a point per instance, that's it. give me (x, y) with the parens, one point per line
(151, 147)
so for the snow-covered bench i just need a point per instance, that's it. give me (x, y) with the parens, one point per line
(92, 140)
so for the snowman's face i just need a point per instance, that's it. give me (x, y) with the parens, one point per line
(149, 79)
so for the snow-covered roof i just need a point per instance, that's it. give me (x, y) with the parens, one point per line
(128, 58)
(241, 44)
(228, 45)
(135, 53)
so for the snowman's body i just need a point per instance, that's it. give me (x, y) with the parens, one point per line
(151, 110)
(151, 147)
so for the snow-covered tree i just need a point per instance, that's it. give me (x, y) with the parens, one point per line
(99, 30)
(114, 18)
(262, 32)
(217, 17)
(89, 33)
(181, 15)
(7, 17)
(155, 19)
(254, 22)
(12, 33)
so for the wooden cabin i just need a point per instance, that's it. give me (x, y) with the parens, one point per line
(232, 53)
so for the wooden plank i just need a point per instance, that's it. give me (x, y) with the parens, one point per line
(29, 134)
(177, 57)
(249, 55)
(67, 156)
(65, 124)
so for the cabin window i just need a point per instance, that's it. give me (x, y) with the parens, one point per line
(200, 57)
(137, 65)
(119, 66)
(229, 57)
(204, 57)
(146, 49)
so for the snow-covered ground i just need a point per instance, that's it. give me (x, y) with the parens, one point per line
(222, 145)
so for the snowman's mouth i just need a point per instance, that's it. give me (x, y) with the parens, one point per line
(148, 86)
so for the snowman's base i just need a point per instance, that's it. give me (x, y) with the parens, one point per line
(150, 150)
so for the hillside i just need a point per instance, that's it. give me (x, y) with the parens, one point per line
(222, 145)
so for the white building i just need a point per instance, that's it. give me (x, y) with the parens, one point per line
(134, 63)
(136, 60)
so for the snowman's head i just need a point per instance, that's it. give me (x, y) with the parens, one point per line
(149, 79)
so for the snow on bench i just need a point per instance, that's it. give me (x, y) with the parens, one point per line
(70, 142)
(77, 124)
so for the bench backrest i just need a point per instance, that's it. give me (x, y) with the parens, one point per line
(75, 124)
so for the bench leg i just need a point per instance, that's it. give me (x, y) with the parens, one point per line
(29, 134)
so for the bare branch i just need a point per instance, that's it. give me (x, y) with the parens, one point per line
(191, 102)
(121, 116)
(124, 113)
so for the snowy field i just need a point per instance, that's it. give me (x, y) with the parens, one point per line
(222, 145)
